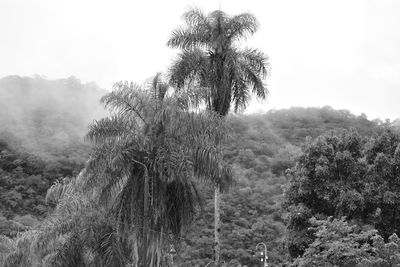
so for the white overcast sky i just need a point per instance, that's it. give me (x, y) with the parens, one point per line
(345, 54)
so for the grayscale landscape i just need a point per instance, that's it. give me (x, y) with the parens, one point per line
(203, 133)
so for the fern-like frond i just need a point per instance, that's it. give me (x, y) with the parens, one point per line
(195, 34)
(241, 25)
(109, 248)
(127, 99)
(115, 128)
(189, 65)
(69, 253)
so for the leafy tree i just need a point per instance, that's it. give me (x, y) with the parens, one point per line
(326, 180)
(338, 243)
(382, 186)
(344, 175)
(212, 64)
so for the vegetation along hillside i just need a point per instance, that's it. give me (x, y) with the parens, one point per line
(42, 124)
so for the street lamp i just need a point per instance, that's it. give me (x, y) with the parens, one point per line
(263, 254)
(172, 253)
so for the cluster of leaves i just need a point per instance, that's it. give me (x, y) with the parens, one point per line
(344, 174)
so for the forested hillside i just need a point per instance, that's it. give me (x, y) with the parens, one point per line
(42, 124)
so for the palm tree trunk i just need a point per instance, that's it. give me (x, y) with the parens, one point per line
(217, 223)
(146, 221)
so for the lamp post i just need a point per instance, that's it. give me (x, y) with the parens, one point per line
(172, 253)
(263, 254)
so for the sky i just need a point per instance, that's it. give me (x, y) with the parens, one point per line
(341, 53)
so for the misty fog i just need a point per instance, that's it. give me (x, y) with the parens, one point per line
(46, 116)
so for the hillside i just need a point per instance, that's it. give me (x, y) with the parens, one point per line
(42, 127)
(262, 147)
(42, 123)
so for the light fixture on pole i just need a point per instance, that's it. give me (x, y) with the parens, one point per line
(172, 253)
(263, 254)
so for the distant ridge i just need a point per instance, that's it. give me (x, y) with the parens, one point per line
(47, 116)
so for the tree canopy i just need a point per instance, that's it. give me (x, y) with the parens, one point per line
(344, 174)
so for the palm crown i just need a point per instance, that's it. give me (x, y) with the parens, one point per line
(211, 59)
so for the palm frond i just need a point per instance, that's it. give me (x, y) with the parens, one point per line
(240, 96)
(196, 34)
(189, 38)
(256, 59)
(208, 165)
(115, 127)
(195, 17)
(111, 189)
(109, 249)
(13, 259)
(61, 189)
(241, 25)
(126, 99)
(189, 65)
(69, 253)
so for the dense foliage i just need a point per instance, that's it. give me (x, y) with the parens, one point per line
(337, 243)
(296, 123)
(24, 180)
(259, 152)
(344, 174)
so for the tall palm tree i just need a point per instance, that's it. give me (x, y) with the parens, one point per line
(144, 161)
(211, 61)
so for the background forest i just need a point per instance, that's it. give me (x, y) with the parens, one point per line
(295, 178)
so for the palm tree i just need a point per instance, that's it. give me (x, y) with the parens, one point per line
(78, 233)
(144, 161)
(212, 62)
